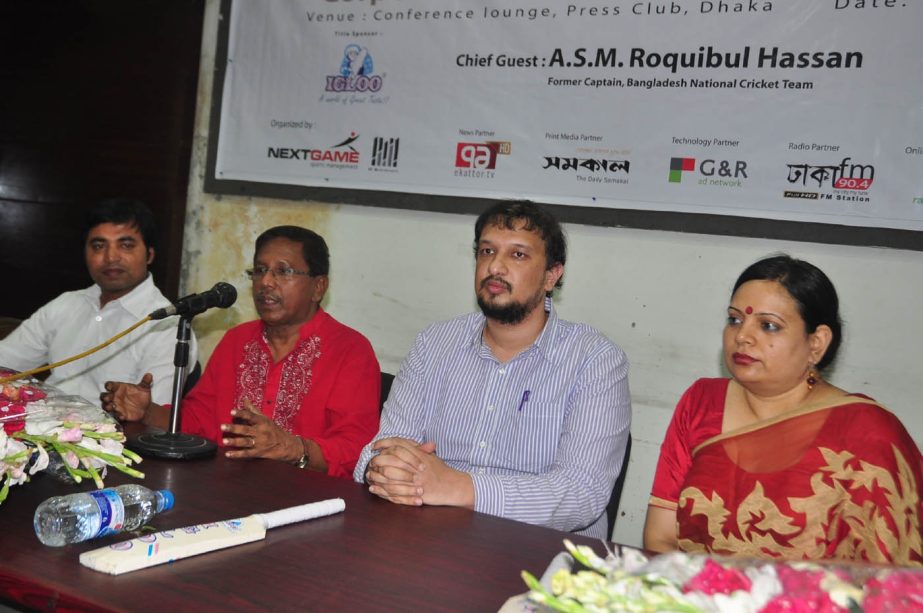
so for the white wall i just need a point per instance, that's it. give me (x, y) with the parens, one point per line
(660, 295)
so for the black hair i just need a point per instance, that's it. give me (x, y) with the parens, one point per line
(811, 290)
(123, 211)
(313, 247)
(508, 214)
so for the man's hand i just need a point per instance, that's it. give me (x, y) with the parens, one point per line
(256, 436)
(127, 401)
(405, 472)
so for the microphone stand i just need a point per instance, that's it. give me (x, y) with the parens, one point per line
(173, 444)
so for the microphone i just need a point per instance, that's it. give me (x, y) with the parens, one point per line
(222, 295)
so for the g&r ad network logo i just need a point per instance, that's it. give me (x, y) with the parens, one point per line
(678, 166)
(479, 159)
(712, 172)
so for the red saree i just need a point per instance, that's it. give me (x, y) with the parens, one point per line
(839, 480)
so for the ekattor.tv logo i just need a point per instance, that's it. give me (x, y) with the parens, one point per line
(678, 166)
(356, 72)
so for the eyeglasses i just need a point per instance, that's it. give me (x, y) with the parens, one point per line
(279, 273)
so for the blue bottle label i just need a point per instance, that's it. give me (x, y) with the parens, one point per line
(111, 512)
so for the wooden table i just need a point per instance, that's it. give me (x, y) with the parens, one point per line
(376, 556)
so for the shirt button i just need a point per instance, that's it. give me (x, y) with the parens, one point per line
(99, 318)
(502, 371)
(482, 444)
(481, 471)
(490, 407)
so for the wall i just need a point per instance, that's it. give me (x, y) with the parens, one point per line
(660, 295)
(100, 104)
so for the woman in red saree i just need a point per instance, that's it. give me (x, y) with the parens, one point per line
(776, 462)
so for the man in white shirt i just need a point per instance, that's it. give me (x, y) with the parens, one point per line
(120, 239)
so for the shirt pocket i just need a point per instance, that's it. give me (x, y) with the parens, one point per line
(534, 437)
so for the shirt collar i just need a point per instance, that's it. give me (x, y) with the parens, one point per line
(138, 302)
(308, 328)
(544, 344)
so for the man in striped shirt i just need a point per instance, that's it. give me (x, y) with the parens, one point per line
(510, 411)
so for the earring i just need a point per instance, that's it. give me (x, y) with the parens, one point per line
(812, 378)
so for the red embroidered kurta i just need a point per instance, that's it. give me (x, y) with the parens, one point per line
(839, 480)
(326, 389)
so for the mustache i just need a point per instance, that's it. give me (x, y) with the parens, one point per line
(262, 294)
(495, 279)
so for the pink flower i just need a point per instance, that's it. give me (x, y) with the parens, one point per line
(10, 411)
(72, 460)
(29, 394)
(900, 590)
(801, 592)
(716, 579)
(71, 435)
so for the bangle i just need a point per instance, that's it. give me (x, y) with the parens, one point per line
(305, 459)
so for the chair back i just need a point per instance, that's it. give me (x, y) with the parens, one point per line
(612, 508)
(386, 380)
(7, 325)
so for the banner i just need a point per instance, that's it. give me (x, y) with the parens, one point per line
(800, 111)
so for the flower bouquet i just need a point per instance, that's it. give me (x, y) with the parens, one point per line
(630, 581)
(66, 436)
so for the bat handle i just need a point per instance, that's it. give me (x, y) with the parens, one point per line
(303, 512)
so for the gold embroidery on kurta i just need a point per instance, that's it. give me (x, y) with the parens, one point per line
(870, 535)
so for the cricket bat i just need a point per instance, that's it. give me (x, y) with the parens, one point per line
(169, 545)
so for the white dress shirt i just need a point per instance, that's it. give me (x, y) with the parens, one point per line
(73, 322)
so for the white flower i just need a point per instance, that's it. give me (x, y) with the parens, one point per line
(112, 446)
(39, 427)
(41, 462)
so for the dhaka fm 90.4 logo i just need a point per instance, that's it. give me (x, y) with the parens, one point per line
(356, 72)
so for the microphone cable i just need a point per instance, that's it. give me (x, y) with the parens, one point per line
(29, 373)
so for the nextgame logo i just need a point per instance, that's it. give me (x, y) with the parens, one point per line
(479, 160)
(356, 72)
(341, 155)
(845, 182)
(713, 173)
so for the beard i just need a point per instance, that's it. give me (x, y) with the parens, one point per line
(512, 312)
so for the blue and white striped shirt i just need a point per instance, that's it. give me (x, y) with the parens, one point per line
(542, 435)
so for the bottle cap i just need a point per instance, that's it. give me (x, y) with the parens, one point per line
(167, 499)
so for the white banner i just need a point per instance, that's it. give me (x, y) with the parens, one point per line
(806, 110)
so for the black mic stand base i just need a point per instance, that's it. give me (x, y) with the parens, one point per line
(172, 445)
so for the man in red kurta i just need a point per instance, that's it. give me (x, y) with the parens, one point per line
(296, 385)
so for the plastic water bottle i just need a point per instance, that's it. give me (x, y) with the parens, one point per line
(79, 517)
